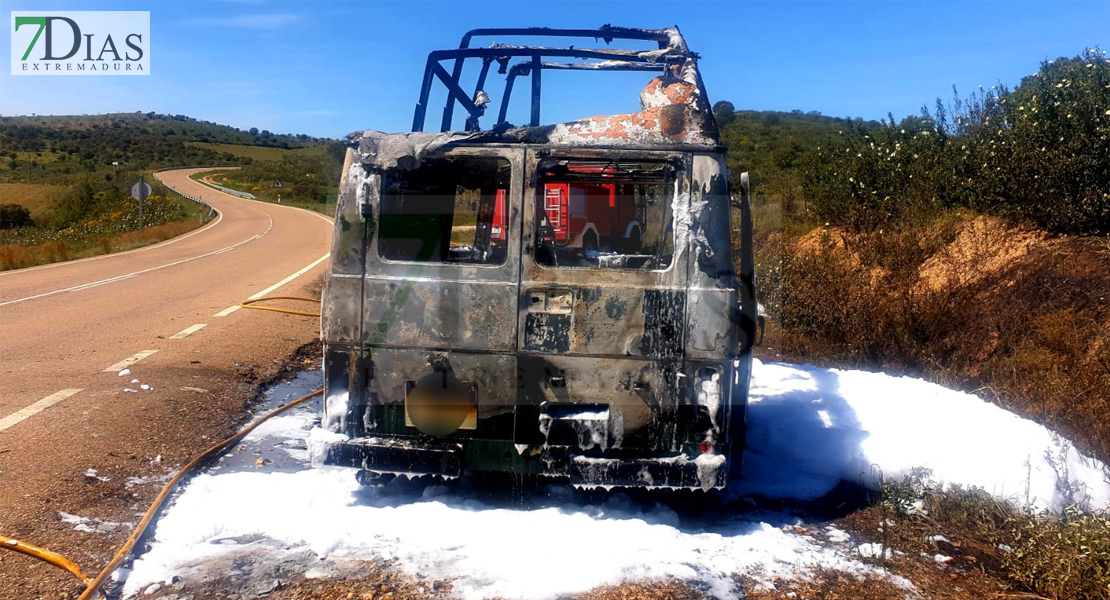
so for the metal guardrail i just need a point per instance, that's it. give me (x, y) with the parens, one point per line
(223, 189)
(197, 167)
(211, 211)
(227, 190)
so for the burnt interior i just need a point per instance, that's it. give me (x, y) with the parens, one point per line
(443, 211)
(627, 206)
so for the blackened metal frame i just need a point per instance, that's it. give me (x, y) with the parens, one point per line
(672, 51)
(525, 68)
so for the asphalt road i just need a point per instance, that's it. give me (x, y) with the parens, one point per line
(168, 313)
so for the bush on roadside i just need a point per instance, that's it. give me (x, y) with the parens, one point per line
(969, 303)
(15, 215)
(1059, 556)
(1049, 151)
(1037, 153)
(112, 226)
(306, 178)
(1055, 555)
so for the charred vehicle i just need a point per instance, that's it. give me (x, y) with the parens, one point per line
(557, 300)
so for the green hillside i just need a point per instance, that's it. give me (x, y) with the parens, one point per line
(69, 149)
(64, 180)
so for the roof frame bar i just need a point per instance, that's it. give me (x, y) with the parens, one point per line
(433, 68)
(525, 68)
(606, 32)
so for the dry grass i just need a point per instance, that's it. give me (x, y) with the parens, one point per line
(827, 584)
(153, 235)
(1012, 314)
(1018, 317)
(37, 198)
(987, 546)
(14, 256)
(255, 152)
(382, 580)
(971, 573)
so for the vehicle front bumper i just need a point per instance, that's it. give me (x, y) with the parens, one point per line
(447, 459)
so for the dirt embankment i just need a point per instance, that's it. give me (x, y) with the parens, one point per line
(1012, 313)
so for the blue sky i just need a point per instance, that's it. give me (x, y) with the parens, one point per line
(327, 67)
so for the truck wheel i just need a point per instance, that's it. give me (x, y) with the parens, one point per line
(589, 242)
(634, 242)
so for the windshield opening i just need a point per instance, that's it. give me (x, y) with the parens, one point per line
(605, 214)
(448, 210)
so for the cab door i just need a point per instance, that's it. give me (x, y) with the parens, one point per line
(440, 285)
(602, 331)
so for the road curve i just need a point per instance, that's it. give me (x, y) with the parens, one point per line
(166, 312)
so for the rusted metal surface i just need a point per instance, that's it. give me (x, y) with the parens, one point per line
(621, 361)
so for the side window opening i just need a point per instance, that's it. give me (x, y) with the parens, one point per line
(605, 214)
(448, 210)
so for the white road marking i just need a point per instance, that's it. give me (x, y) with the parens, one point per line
(287, 279)
(36, 408)
(57, 397)
(130, 360)
(210, 225)
(184, 333)
(326, 218)
(93, 284)
(227, 311)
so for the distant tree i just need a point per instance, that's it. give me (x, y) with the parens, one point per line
(724, 112)
(253, 131)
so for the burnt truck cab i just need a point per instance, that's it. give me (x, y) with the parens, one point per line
(557, 300)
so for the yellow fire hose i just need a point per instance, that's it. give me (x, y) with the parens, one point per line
(43, 554)
(93, 584)
(249, 304)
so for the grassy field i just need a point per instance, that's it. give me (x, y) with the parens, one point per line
(30, 246)
(219, 177)
(35, 197)
(257, 152)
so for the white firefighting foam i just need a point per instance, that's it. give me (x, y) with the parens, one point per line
(809, 429)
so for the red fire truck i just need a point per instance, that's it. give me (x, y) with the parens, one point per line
(593, 217)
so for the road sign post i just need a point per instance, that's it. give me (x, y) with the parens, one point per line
(140, 191)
